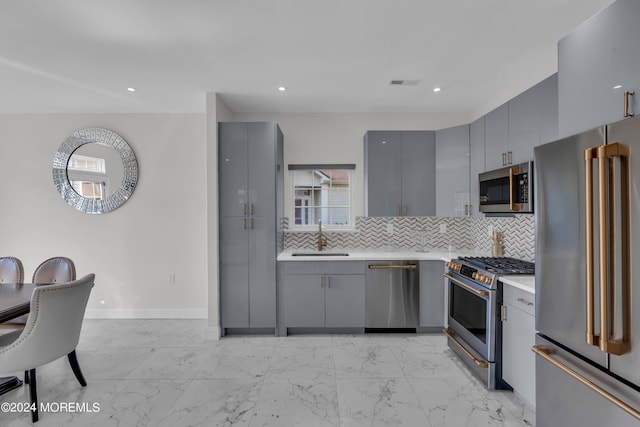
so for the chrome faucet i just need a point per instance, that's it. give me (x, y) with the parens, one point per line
(322, 240)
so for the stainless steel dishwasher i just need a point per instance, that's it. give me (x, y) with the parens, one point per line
(392, 294)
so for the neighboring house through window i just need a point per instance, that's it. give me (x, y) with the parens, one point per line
(321, 193)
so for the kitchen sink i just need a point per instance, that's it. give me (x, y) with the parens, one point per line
(319, 254)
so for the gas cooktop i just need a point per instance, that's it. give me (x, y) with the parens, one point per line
(501, 265)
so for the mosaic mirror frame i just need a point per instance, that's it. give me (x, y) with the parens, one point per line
(107, 138)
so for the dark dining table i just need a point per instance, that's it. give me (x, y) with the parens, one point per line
(15, 300)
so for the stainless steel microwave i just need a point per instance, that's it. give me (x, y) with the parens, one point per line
(507, 190)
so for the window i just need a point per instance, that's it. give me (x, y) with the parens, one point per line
(321, 193)
(87, 176)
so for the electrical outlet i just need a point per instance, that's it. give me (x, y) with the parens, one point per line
(389, 228)
(443, 228)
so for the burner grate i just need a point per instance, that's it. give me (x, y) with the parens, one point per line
(502, 265)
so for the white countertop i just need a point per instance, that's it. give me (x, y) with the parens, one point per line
(524, 282)
(374, 254)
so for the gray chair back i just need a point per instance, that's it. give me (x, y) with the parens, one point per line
(53, 326)
(55, 270)
(11, 270)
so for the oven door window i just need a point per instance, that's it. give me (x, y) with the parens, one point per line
(470, 311)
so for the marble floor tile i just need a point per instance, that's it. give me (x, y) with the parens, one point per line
(215, 403)
(428, 362)
(366, 361)
(235, 362)
(379, 402)
(311, 363)
(163, 373)
(297, 402)
(172, 363)
(454, 402)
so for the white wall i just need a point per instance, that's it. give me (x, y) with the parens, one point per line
(338, 138)
(132, 250)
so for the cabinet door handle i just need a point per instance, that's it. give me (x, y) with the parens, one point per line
(406, 208)
(244, 209)
(503, 313)
(244, 223)
(251, 209)
(626, 103)
(509, 161)
(252, 223)
(504, 159)
(322, 281)
(525, 302)
(328, 281)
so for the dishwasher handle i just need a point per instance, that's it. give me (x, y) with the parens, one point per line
(393, 267)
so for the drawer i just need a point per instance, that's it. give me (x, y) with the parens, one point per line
(518, 298)
(322, 267)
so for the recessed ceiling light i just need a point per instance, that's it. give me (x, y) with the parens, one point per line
(617, 86)
(282, 88)
(131, 89)
(436, 89)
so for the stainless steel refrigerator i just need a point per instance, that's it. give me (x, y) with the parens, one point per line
(588, 278)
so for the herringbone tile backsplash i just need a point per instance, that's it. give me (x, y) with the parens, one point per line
(436, 233)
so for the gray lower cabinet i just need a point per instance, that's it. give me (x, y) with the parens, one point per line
(452, 171)
(518, 336)
(322, 294)
(250, 175)
(597, 63)
(400, 174)
(432, 287)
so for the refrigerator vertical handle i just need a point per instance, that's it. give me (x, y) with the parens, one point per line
(608, 224)
(591, 337)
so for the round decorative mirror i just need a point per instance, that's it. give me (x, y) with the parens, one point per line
(95, 170)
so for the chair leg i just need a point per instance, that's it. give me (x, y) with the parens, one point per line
(73, 361)
(34, 396)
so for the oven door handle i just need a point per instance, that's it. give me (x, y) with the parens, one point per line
(484, 294)
(478, 362)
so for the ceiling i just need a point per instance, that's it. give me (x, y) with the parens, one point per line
(71, 56)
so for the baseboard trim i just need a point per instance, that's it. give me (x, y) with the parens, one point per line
(212, 333)
(108, 313)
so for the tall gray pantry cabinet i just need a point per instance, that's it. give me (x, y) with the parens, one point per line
(251, 186)
(400, 173)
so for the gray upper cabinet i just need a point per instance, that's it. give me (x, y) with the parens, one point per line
(533, 119)
(496, 137)
(526, 121)
(599, 55)
(250, 166)
(399, 173)
(452, 171)
(476, 164)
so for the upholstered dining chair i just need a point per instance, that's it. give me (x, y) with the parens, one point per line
(55, 270)
(11, 270)
(52, 331)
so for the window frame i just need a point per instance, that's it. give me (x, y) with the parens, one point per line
(292, 198)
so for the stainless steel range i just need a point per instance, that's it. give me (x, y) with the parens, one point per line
(475, 298)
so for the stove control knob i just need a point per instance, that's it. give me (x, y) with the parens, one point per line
(487, 280)
(475, 275)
